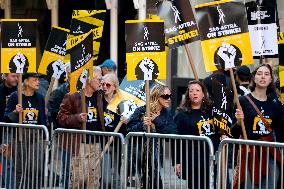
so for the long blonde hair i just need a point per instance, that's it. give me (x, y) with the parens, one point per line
(155, 93)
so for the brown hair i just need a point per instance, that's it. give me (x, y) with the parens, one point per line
(270, 87)
(206, 103)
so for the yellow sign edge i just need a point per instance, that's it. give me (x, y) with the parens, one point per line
(212, 3)
(139, 21)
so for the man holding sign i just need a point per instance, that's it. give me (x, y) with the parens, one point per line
(70, 116)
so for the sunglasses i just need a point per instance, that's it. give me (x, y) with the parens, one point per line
(108, 85)
(166, 96)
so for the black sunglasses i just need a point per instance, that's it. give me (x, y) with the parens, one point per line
(166, 96)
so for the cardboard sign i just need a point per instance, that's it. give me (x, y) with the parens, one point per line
(85, 20)
(80, 49)
(145, 50)
(222, 109)
(18, 45)
(53, 59)
(180, 25)
(225, 39)
(132, 95)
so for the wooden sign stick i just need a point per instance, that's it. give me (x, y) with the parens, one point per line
(108, 143)
(83, 102)
(147, 88)
(20, 101)
(191, 62)
(49, 90)
(238, 102)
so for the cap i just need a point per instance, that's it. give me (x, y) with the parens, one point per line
(243, 70)
(27, 75)
(109, 63)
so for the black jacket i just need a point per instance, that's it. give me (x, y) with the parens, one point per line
(5, 93)
(54, 102)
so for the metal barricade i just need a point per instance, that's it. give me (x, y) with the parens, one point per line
(250, 164)
(151, 161)
(23, 156)
(86, 159)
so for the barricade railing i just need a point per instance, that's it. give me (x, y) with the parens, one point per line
(151, 161)
(92, 159)
(23, 155)
(250, 164)
(86, 159)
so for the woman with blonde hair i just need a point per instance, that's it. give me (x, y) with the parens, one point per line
(160, 121)
(111, 98)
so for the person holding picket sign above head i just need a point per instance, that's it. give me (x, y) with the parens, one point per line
(70, 116)
(262, 117)
(160, 121)
(194, 117)
(33, 107)
(33, 112)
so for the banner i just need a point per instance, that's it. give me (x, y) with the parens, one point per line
(222, 108)
(281, 63)
(52, 63)
(225, 39)
(263, 30)
(85, 20)
(18, 45)
(180, 24)
(80, 49)
(145, 50)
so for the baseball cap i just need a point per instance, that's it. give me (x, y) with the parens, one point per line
(27, 75)
(109, 63)
(243, 72)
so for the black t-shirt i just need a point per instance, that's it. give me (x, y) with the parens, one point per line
(93, 120)
(31, 108)
(196, 123)
(111, 118)
(5, 93)
(253, 123)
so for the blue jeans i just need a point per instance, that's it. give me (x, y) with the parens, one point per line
(8, 173)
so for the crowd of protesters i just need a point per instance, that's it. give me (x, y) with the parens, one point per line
(261, 109)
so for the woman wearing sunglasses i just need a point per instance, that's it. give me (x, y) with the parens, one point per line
(111, 91)
(110, 87)
(194, 117)
(160, 121)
